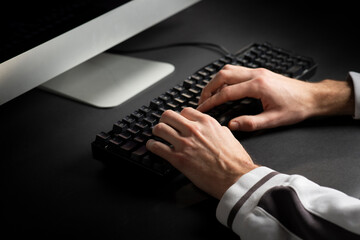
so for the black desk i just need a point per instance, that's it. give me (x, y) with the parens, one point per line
(52, 188)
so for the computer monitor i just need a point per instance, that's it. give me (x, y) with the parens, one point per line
(60, 45)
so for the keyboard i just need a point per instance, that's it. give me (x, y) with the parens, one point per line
(124, 145)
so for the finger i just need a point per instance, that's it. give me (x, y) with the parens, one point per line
(263, 120)
(160, 149)
(229, 93)
(227, 76)
(166, 132)
(192, 114)
(175, 120)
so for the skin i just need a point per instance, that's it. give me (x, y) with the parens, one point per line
(208, 154)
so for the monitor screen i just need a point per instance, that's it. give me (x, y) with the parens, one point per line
(63, 41)
(32, 23)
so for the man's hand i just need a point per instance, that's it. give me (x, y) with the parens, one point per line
(203, 150)
(285, 100)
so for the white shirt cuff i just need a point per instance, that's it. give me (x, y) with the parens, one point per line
(242, 187)
(355, 77)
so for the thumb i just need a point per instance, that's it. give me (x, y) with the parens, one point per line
(251, 123)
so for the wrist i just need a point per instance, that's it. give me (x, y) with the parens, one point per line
(331, 97)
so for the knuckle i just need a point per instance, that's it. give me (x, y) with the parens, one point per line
(261, 71)
(228, 67)
(207, 120)
(223, 73)
(260, 81)
(194, 129)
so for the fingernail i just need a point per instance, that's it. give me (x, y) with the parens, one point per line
(234, 125)
(149, 143)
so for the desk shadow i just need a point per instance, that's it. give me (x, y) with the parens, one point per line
(132, 181)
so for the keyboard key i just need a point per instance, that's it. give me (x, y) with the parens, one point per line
(114, 144)
(204, 74)
(142, 125)
(156, 115)
(139, 153)
(172, 92)
(294, 70)
(193, 104)
(218, 65)
(156, 103)
(180, 99)
(173, 105)
(138, 116)
(129, 120)
(133, 131)
(102, 137)
(165, 97)
(147, 134)
(145, 110)
(120, 126)
(226, 60)
(179, 88)
(124, 135)
(188, 83)
(196, 77)
(128, 147)
(150, 120)
(140, 139)
(195, 91)
(210, 69)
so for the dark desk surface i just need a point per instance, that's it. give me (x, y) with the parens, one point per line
(51, 187)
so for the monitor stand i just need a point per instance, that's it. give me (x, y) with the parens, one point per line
(107, 80)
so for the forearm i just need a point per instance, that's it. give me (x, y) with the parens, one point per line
(264, 204)
(332, 97)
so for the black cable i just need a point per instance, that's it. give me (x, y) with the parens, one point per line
(211, 46)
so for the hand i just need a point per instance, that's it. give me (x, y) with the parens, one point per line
(203, 150)
(285, 100)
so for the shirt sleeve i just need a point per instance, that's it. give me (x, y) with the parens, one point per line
(265, 204)
(355, 78)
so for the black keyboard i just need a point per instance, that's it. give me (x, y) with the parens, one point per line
(124, 145)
